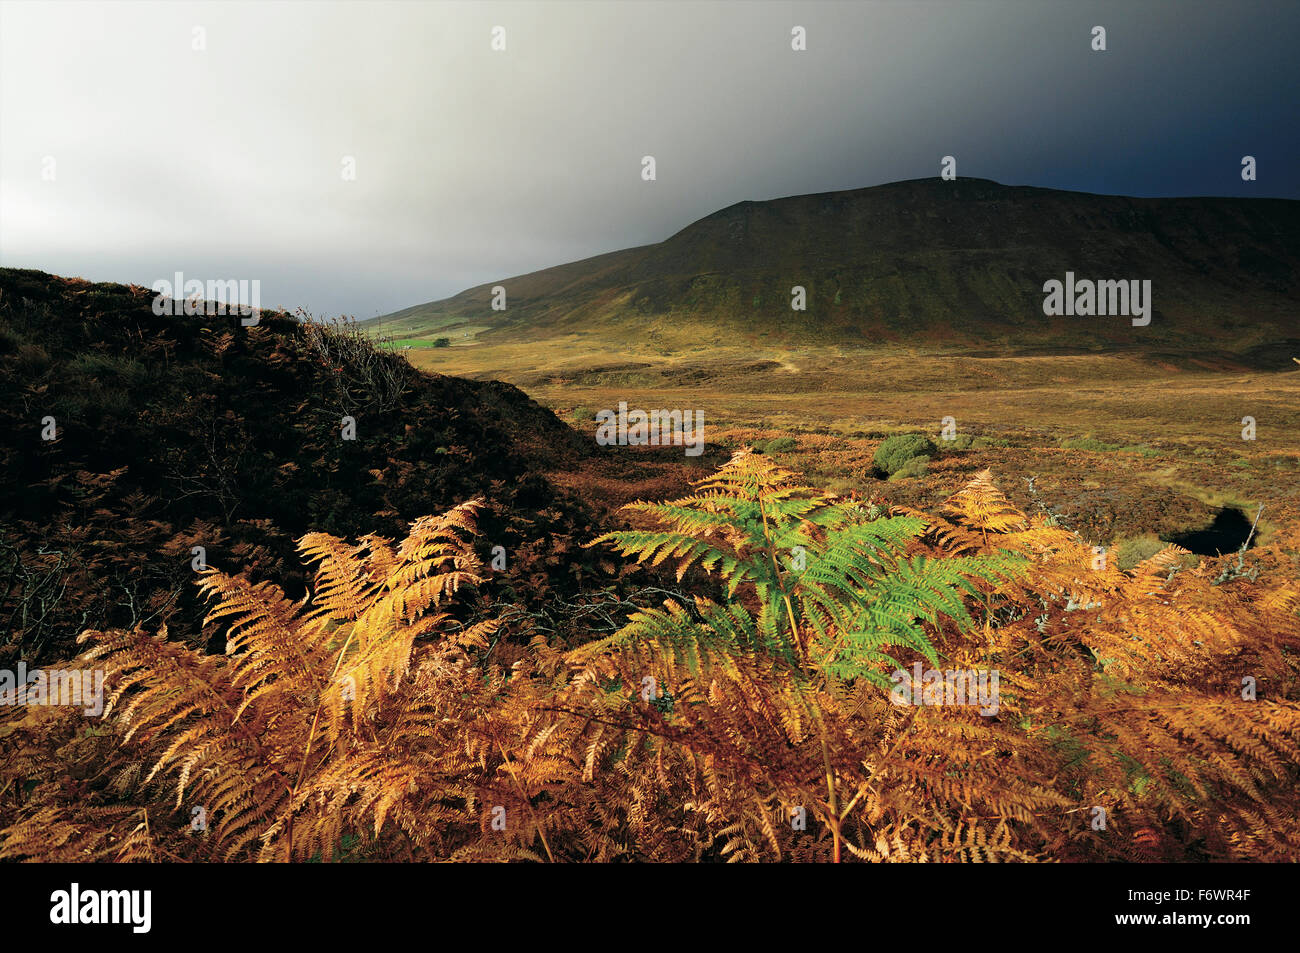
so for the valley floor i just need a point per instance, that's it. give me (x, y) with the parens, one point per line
(1169, 449)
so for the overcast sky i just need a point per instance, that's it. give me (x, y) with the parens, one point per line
(474, 165)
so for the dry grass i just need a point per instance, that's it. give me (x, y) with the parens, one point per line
(841, 402)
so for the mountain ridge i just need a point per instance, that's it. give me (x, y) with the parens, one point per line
(922, 262)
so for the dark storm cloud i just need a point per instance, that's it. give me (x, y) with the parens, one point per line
(475, 165)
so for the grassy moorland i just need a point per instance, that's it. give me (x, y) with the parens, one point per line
(1175, 425)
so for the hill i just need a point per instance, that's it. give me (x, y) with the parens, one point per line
(922, 263)
(178, 432)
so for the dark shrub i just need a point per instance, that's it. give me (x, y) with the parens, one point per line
(913, 468)
(894, 453)
(776, 445)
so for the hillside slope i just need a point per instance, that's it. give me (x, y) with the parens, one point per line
(177, 432)
(921, 263)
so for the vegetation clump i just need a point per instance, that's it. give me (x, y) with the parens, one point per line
(1129, 552)
(776, 445)
(912, 469)
(965, 441)
(894, 453)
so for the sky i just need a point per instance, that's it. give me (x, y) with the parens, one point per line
(138, 140)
